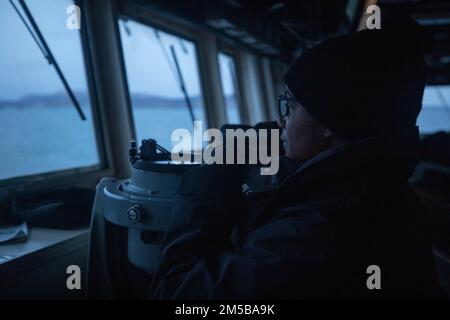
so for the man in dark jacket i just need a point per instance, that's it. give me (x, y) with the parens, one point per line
(348, 120)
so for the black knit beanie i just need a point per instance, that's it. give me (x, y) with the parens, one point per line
(363, 84)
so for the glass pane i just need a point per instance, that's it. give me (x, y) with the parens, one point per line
(229, 88)
(435, 114)
(40, 129)
(158, 103)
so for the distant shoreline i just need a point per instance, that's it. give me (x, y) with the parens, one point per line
(61, 99)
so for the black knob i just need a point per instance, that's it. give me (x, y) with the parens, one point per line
(135, 213)
(133, 152)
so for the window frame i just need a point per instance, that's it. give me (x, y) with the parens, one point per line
(425, 134)
(232, 52)
(54, 179)
(176, 28)
(245, 58)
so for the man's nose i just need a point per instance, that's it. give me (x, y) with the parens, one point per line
(281, 122)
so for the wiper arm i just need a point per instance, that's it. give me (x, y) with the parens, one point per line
(176, 73)
(182, 85)
(43, 46)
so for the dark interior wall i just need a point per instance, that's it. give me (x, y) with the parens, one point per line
(42, 275)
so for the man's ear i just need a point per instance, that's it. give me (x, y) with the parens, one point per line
(330, 136)
(327, 133)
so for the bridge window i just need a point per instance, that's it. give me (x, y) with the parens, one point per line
(229, 87)
(435, 114)
(40, 129)
(157, 64)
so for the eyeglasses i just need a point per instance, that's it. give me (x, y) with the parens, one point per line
(285, 104)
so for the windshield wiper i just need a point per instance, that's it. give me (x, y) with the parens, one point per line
(181, 83)
(176, 73)
(43, 46)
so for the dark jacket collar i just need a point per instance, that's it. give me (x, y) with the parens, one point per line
(364, 159)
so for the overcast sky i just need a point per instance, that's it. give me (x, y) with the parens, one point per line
(25, 71)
